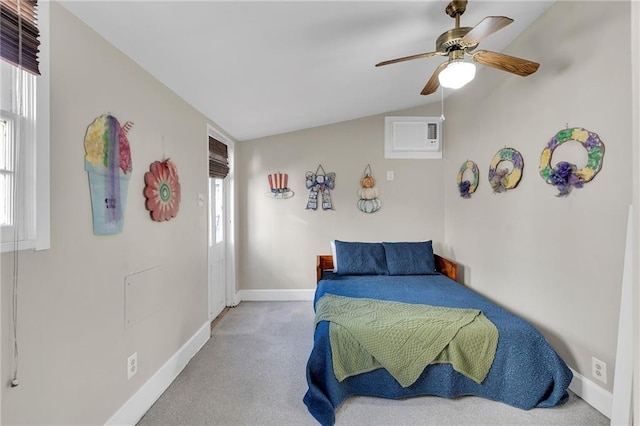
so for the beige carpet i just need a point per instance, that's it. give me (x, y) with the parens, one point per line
(252, 372)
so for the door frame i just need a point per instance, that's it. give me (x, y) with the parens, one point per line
(229, 225)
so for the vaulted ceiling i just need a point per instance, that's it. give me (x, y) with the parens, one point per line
(265, 67)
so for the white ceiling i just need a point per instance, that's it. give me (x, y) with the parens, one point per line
(264, 67)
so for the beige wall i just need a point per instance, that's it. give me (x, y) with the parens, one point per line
(555, 261)
(279, 239)
(73, 343)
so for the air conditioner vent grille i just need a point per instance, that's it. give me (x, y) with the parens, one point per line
(432, 130)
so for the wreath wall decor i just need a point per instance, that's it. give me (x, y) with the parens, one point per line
(162, 190)
(467, 187)
(502, 179)
(564, 175)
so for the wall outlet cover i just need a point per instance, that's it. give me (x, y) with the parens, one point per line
(599, 369)
(132, 365)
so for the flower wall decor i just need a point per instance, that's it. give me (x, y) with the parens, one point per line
(467, 187)
(564, 175)
(368, 202)
(108, 163)
(321, 183)
(162, 190)
(502, 179)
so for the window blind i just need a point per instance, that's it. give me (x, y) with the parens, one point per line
(218, 159)
(19, 33)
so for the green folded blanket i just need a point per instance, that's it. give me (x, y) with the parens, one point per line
(403, 338)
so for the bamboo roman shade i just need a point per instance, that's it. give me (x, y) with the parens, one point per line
(19, 33)
(218, 159)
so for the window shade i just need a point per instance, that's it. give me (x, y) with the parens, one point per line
(19, 33)
(218, 159)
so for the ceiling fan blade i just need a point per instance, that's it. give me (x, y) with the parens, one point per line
(433, 83)
(486, 27)
(408, 58)
(521, 67)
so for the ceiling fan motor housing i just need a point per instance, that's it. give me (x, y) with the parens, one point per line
(452, 40)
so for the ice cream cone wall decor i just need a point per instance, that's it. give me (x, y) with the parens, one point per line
(108, 163)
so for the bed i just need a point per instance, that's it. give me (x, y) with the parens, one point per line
(524, 371)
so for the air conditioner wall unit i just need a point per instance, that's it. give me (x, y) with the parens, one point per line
(413, 137)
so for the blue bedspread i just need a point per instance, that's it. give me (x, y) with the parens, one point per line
(526, 371)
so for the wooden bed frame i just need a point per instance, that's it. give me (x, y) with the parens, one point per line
(445, 266)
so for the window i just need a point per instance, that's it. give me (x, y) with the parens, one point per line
(17, 121)
(219, 209)
(24, 146)
(7, 170)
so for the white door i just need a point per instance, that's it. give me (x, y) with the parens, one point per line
(217, 247)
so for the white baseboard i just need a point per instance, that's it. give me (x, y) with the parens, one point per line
(592, 394)
(133, 410)
(276, 295)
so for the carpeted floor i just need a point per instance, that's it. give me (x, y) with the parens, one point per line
(252, 372)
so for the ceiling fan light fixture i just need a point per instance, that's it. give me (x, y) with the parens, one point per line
(457, 74)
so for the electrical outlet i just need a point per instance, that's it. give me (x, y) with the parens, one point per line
(132, 365)
(599, 369)
(389, 174)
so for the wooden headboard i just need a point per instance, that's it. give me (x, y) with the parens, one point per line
(444, 266)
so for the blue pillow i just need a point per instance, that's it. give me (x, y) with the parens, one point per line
(360, 258)
(410, 258)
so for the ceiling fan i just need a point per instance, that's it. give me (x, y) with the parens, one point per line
(460, 41)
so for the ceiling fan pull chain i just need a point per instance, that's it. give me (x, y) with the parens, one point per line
(442, 104)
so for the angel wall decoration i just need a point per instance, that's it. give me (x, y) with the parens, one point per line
(321, 183)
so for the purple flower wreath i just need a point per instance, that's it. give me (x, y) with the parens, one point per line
(566, 176)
